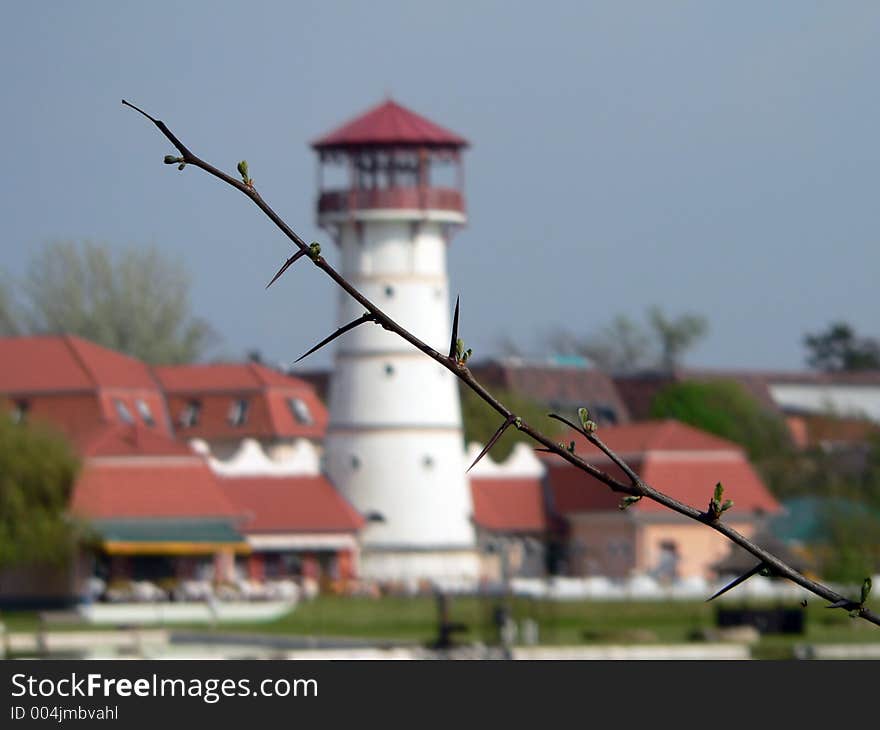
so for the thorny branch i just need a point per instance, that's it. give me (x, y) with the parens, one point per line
(456, 364)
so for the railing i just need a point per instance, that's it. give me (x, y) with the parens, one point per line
(339, 201)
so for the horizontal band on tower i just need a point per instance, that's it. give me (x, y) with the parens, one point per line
(409, 353)
(393, 278)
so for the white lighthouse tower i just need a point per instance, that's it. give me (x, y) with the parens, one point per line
(394, 443)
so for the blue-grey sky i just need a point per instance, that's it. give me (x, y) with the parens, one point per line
(715, 157)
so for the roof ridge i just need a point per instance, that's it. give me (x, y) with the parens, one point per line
(68, 340)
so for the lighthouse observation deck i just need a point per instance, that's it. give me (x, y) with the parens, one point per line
(426, 202)
(390, 163)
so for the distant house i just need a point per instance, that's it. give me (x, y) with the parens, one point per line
(155, 507)
(820, 409)
(646, 538)
(296, 527)
(517, 533)
(222, 404)
(216, 478)
(562, 385)
(76, 385)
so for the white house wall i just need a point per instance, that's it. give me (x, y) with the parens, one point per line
(850, 400)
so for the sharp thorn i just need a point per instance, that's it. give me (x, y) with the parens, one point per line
(286, 266)
(452, 342)
(744, 577)
(367, 317)
(497, 435)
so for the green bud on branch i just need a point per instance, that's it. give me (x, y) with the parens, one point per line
(627, 501)
(314, 250)
(172, 160)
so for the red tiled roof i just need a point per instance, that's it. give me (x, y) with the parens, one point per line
(65, 363)
(389, 124)
(509, 505)
(665, 435)
(223, 377)
(676, 459)
(291, 504)
(693, 483)
(216, 387)
(116, 439)
(116, 489)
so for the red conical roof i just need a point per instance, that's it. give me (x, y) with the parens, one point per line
(389, 125)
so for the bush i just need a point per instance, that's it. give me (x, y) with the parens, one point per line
(725, 408)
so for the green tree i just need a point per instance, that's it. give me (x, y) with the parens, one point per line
(480, 421)
(37, 472)
(8, 318)
(839, 349)
(851, 545)
(132, 300)
(725, 408)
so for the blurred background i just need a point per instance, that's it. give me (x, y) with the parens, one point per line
(668, 221)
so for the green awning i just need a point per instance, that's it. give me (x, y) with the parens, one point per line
(168, 536)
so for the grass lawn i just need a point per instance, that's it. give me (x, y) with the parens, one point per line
(399, 619)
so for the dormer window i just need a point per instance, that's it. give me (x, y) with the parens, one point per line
(238, 412)
(300, 410)
(189, 417)
(146, 414)
(122, 411)
(19, 411)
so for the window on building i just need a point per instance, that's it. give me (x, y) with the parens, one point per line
(143, 408)
(355, 462)
(122, 411)
(300, 410)
(19, 411)
(389, 369)
(667, 561)
(389, 291)
(428, 461)
(189, 417)
(238, 412)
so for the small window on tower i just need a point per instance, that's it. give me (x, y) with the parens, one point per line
(300, 411)
(189, 417)
(122, 411)
(238, 412)
(389, 369)
(355, 462)
(146, 414)
(389, 291)
(428, 461)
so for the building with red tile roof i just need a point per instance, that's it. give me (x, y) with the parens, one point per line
(78, 385)
(684, 463)
(155, 506)
(225, 403)
(512, 505)
(296, 526)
